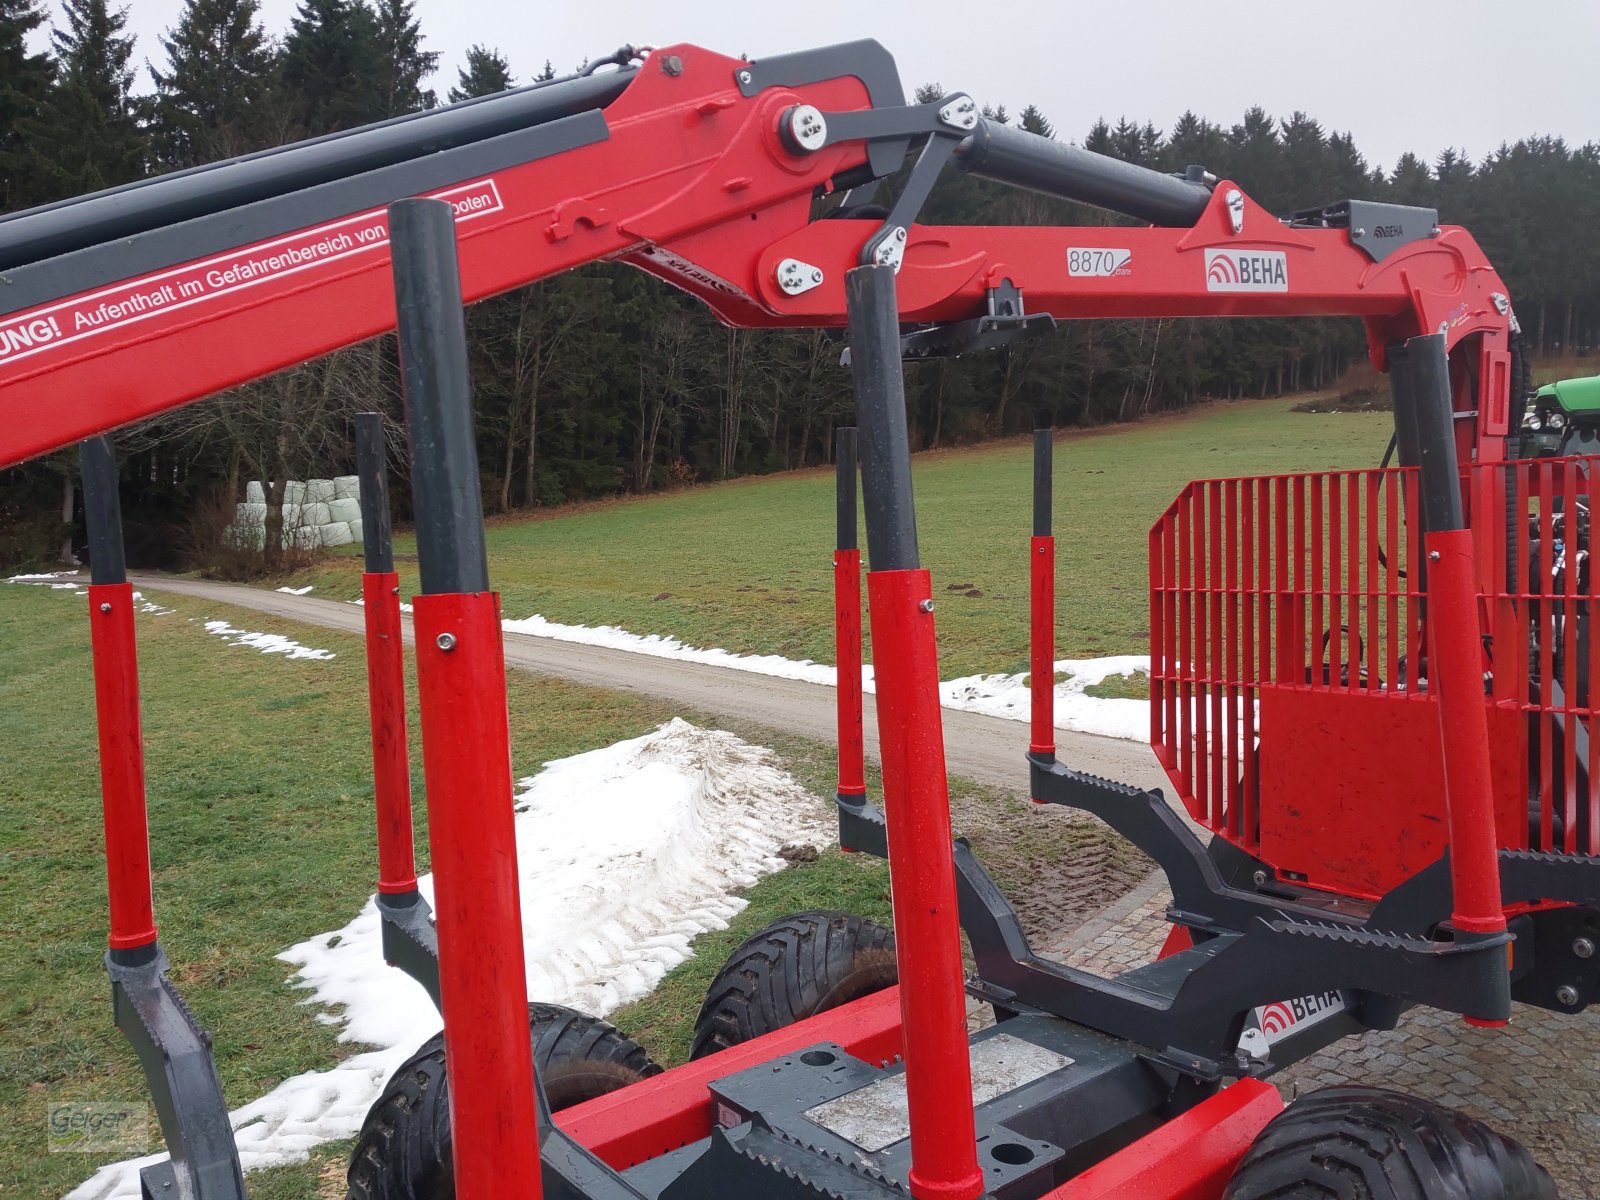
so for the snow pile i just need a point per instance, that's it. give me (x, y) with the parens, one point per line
(1009, 696)
(45, 575)
(993, 695)
(625, 854)
(267, 643)
(151, 607)
(298, 591)
(316, 512)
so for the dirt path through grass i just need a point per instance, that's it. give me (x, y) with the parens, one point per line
(986, 749)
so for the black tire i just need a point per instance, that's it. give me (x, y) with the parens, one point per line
(796, 967)
(404, 1150)
(1371, 1144)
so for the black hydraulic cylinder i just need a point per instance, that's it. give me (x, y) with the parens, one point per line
(102, 510)
(1419, 372)
(372, 466)
(1026, 160)
(874, 322)
(67, 225)
(844, 488)
(433, 368)
(1044, 445)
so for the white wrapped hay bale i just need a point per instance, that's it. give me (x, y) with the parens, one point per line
(250, 516)
(254, 493)
(344, 510)
(347, 487)
(294, 492)
(309, 514)
(335, 533)
(303, 537)
(319, 491)
(355, 530)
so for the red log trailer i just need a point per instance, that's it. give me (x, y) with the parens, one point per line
(1370, 686)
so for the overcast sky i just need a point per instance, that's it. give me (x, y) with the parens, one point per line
(1400, 74)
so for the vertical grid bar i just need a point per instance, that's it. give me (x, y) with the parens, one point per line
(1414, 647)
(1536, 597)
(1391, 577)
(1569, 658)
(1283, 584)
(1250, 568)
(1317, 642)
(1299, 639)
(1202, 662)
(1374, 578)
(1218, 597)
(938, 1074)
(1352, 548)
(465, 730)
(1592, 799)
(1042, 601)
(1229, 756)
(1186, 648)
(1158, 635)
(1334, 636)
(847, 620)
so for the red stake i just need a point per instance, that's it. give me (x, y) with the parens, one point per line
(466, 740)
(391, 764)
(922, 879)
(1456, 670)
(847, 654)
(116, 701)
(1042, 653)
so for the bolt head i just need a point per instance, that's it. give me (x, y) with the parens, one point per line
(105, 606)
(445, 641)
(899, 233)
(925, 606)
(744, 78)
(816, 276)
(1358, 232)
(1567, 994)
(1260, 878)
(1433, 556)
(671, 64)
(1583, 947)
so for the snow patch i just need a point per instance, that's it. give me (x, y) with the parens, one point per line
(625, 854)
(298, 591)
(662, 646)
(1009, 696)
(37, 577)
(998, 695)
(267, 643)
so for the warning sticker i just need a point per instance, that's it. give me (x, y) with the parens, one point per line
(122, 304)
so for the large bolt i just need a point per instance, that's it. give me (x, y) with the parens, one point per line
(445, 641)
(1260, 878)
(1567, 994)
(1433, 556)
(744, 78)
(105, 606)
(1583, 947)
(926, 606)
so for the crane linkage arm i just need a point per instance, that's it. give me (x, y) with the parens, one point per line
(704, 171)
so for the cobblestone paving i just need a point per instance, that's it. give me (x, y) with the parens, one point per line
(1538, 1081)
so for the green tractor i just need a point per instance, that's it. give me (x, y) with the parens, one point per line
(1562, 418)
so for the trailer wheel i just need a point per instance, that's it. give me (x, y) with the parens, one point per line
(1371, 1144)
(796, 967)
(404, 1150)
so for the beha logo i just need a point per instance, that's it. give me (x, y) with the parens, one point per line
(1247, 271)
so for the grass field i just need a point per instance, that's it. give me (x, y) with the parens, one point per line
(745, 565)
(262, 835)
